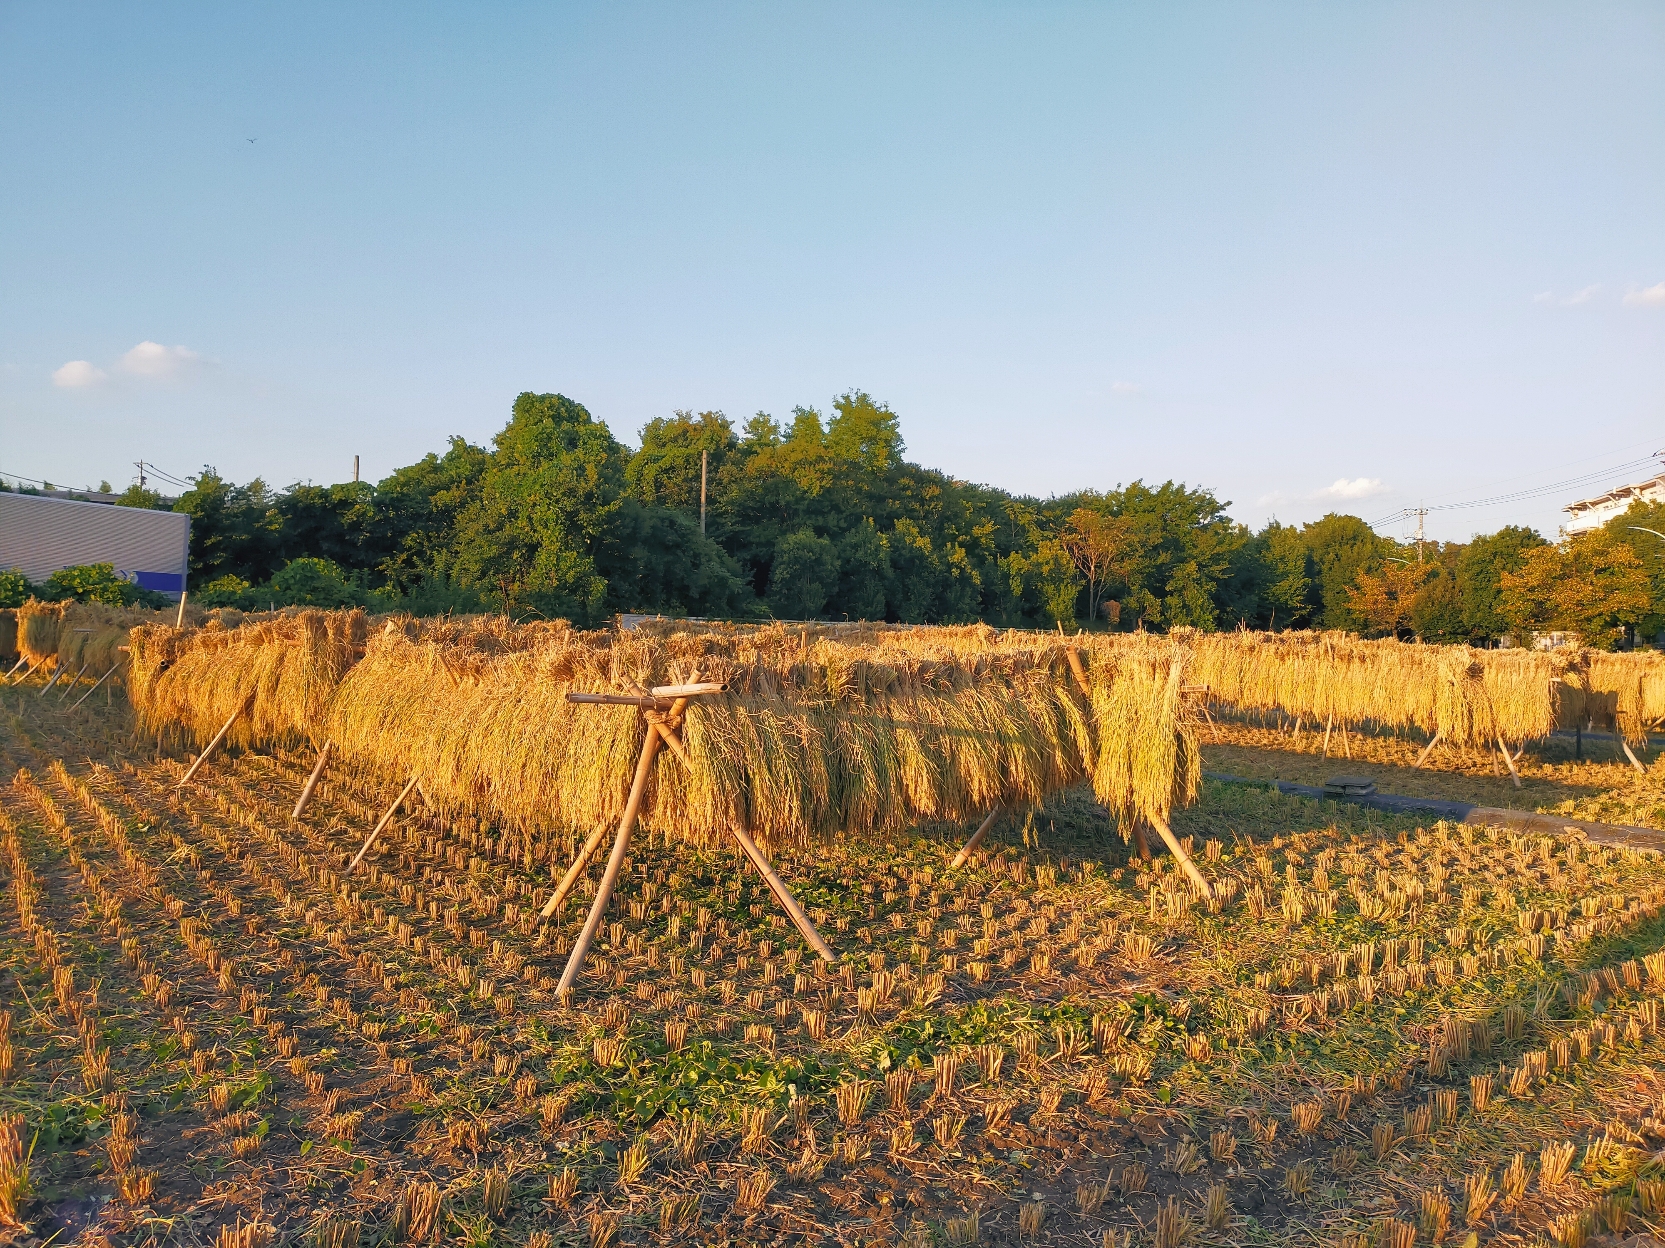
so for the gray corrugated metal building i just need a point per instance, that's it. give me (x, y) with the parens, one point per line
(40, 535)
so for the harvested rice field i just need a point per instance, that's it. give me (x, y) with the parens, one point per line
(1374, 1031)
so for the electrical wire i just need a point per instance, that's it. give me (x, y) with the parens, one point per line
(1523, 495)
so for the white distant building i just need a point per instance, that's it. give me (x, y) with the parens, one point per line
(1592, 513)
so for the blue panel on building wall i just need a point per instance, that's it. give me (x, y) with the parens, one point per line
(161, 582)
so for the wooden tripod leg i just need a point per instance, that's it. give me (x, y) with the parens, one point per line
(1178, 850)
(20, 662)
(615, 861)
(1328, 724)
(71, 685)
(210, 747)
(585, 853)
(312, 780)
(1513, 774)
(94, 689)
(26, 674)
(1079, 672)
(783, 895)
(976, 839)
(1427, 750)
(380, 824)
(1632, 757)
(55, 675)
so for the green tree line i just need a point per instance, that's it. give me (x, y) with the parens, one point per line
(822, 516)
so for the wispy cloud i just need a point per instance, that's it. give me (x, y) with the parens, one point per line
(77, 375)
(1356, 488)
(1651, 297)
(1125, 387)
(1549, 297)
(152, 359)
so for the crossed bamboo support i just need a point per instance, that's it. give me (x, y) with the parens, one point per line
(665, 707)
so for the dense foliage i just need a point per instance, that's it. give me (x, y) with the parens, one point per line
(822, 516)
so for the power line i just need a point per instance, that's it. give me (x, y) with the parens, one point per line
(1522, 495)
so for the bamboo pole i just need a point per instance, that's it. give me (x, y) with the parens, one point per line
(1513, 774)
(94, 689)
(312, 780)
(21, 660)
(661, 725)
(1328, 724)
(582, 860)
(76, 681)
(26, 674)
(1632, 757)
(1428, 749)
(783, 895)
(976, 839)
(1178, 850)
(1079, 672)
(57, 672)
(380, 824)
(209, 748)
(179, 620)
(615, 860)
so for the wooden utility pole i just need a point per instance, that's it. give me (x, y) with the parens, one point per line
(704, 456)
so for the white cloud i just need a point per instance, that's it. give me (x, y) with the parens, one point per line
(77, 374)
(1652, 297)
(1358, 487)
(1583, 296)
(1125, 387)
(1544, 296)
(152, 359)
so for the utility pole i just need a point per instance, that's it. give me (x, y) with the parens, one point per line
(355, 469)
(704, 455)
(141, 467)
(1419, 513)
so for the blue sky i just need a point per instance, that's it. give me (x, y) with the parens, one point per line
(1312, 257)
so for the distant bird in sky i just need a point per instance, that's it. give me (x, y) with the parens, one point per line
(251, 140)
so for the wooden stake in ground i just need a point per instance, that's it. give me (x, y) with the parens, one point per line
(783, 895)
(380, 824)
(1633, 761)
(976, 839)
(1178, 851)
(1513, 774)
(615, 861)
(666, 724)
(179, 620)
(312, 780)
(579, 862)
(26, 674)
(71, 685)
(210, 747)
(1079, 672)
(1427, 750)
(57, 673)
(1328, 724)
(94, 689)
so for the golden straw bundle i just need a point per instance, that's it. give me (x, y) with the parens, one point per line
(820, 732)
(278, 672)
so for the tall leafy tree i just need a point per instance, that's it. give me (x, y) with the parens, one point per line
(1480, 568)
(1591, 585)
(1342, 547)
(530, 533)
